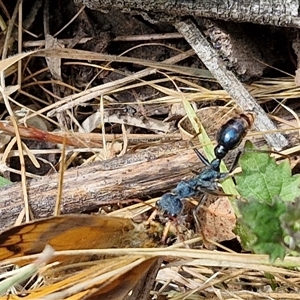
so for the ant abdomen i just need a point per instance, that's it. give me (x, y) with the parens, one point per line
(232, 133)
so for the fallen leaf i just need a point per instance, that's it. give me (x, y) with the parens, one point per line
(217, 221)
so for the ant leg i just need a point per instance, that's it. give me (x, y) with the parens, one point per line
(267, 151)
(237, 157)
(196, 218)
(285, 156)
(196, 212)
(200, 156)
(216, 193)
(235, 162)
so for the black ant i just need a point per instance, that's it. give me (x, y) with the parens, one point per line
(229, 137)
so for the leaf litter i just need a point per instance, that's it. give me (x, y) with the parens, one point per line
(213, 274)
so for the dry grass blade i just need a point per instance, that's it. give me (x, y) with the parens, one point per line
(115, 277)
(206, 269)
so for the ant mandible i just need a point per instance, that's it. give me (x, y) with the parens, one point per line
(229, 137)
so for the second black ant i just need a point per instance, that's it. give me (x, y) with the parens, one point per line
(229, 137)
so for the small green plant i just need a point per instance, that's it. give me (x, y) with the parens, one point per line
(269, 205)
(4, 182)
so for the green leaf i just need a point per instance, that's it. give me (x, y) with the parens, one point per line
(263, 220)
(4, 182)
(270, 211)
(272, 279)
(263, 179)
(290, 222)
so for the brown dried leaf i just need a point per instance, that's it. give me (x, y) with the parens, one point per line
(218, 221)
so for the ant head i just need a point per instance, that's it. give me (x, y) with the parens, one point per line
(220, 151)
(170, 204)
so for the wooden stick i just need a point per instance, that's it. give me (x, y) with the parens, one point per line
(86, 188)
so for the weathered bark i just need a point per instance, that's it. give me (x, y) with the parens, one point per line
(275, 12)
(87, 188)
(240, 47)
